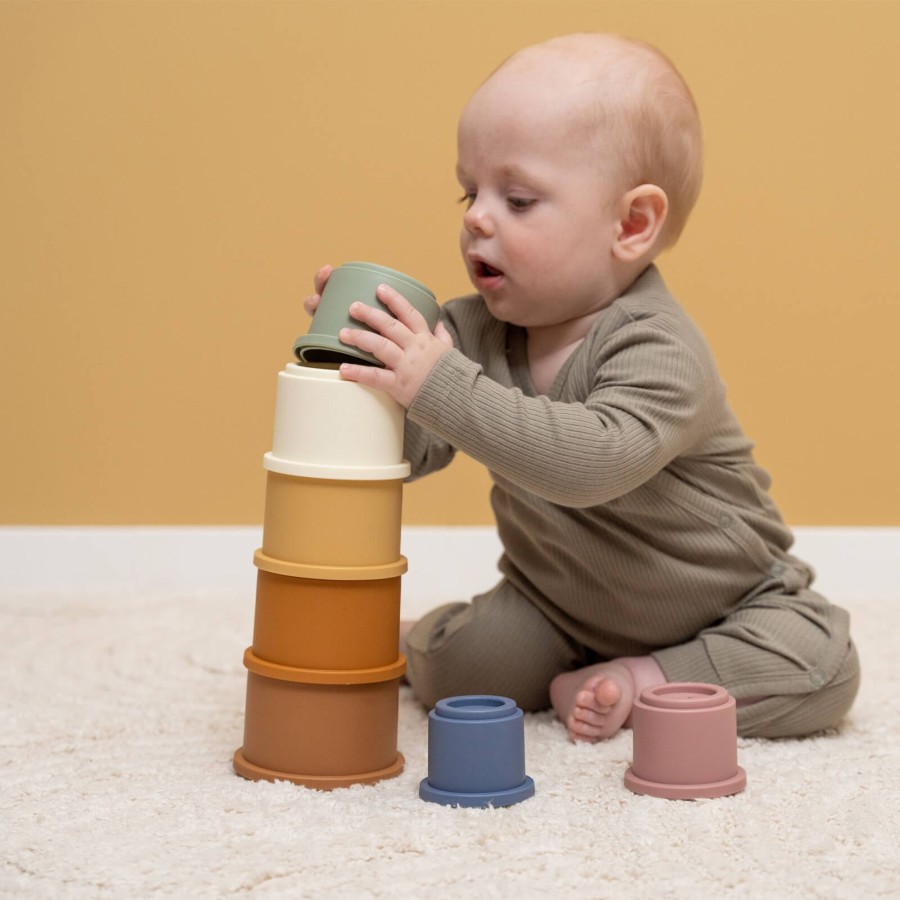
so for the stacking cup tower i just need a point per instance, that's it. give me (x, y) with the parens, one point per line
(324, 668)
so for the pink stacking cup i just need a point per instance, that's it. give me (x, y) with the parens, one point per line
(685, 743)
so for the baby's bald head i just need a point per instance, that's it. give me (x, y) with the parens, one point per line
(627, 100)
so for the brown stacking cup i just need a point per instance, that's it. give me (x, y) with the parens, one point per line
(321, 617)
(320, 728)
(332, 521)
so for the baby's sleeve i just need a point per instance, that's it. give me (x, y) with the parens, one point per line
(645, 407)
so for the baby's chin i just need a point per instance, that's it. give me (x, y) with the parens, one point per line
(500, 309)
(509, 310)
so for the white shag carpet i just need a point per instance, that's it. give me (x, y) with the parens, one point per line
(120, 715)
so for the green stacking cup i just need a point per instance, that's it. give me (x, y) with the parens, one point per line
(351, 282)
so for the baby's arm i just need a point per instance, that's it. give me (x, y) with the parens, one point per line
(646, 407)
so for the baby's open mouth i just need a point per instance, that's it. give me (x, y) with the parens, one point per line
(483, 270)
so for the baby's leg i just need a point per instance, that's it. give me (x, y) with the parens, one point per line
(406, 625)
(791, 653)
(595, 702)
(497, 644)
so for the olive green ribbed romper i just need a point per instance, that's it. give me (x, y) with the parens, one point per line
(633, 518)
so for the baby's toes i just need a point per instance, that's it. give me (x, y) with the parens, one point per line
(589, 713)
(606, 693)
(584, 731)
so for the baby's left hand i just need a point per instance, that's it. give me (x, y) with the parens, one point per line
(403, 342)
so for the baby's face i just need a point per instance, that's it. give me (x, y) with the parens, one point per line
(541, 214)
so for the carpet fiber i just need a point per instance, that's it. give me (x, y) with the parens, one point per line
(120, 715)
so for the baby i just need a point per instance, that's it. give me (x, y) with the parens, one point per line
(640, 543)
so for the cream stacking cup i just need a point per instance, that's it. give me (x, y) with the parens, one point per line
(321, 419)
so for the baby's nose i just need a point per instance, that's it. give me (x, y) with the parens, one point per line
(478, 220)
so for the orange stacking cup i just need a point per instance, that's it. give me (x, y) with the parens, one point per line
(321, 617)
(320, 728)
(333, 520)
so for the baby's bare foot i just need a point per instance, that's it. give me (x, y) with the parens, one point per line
(594, 703)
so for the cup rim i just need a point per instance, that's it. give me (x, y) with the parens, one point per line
(387, 271)
(685, 695)
(475, 707)
(247, 769)
(505, 797)
(298, 675)
(329, 573)
(317, 371)
(706, 791)
(331, 344)
(281, 466)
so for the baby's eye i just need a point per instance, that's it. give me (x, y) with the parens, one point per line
(519, 203)
(468, 199)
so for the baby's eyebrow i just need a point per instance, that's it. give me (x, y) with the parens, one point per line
(512, 172)
(508, 171)
(528, 179)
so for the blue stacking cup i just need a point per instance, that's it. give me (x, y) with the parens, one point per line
(476, 753)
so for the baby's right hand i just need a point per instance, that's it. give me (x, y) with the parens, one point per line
(311, 302)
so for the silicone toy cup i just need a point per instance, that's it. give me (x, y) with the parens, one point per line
(351, 282)
(322, 419)
(685, 743)
(336, 618)
(320, 728)
(476, 753)
(332, 521)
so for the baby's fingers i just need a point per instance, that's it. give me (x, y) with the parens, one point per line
(322, 277)
(402, 310)
(311, 303)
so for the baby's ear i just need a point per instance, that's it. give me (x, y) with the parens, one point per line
(643, 214)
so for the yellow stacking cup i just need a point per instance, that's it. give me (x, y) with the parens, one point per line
(333, 521)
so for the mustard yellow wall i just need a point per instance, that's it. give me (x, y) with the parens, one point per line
(171, 175)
